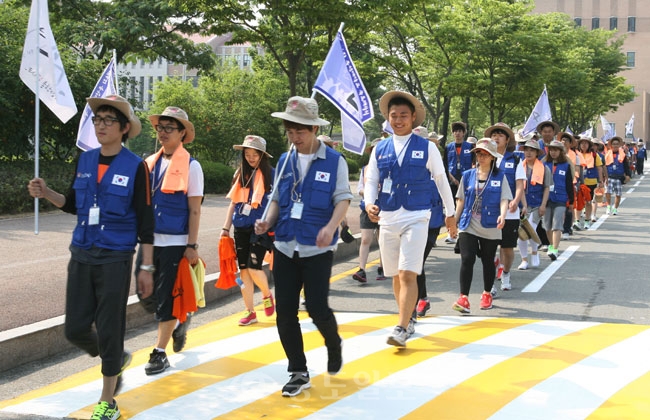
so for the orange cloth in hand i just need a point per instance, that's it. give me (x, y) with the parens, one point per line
(227, 263)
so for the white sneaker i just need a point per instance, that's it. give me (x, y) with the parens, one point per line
(586, 225)
(565, 236)
(614, 211)
(493, 292)
(523, 265)
(609, 210)
(450, 240)
(505, 282)
(534, 259)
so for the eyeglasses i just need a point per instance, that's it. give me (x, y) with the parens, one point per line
(482, 154)
(166, 128)
(108, 121)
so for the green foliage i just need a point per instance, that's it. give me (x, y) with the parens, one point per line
(217, 177)
(353, 167)
(13, 186)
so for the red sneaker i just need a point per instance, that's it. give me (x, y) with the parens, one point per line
(269, 305)
(248, 319)
(423, 307)
(462, 304)
(486, 300)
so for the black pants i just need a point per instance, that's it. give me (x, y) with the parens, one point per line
(469, 246)
(568, 221)
(541, 232)
(639, 166)
(98, 293)
(290, 275)
(422, 278)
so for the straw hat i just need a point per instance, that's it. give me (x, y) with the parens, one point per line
(503, 127)
(421, 131)
(302, 111)
(326, 139)
(419, 108)
(488, 145)
(533, 144)
(458, 124)
(177, 114)
(253, 142)
(471, 140)
(121, 105)
(520, 138)
(556, 126)
(557, 144)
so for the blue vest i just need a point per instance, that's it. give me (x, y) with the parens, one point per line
(558, 193)
(117, 228)
(508, 167)
(616, 169)
(437, 215)
(641, 153)
(411, 187)
(240, 220)
(457, 165)
(534, 193)
(316, 196)
(491, 199)
(170, 210)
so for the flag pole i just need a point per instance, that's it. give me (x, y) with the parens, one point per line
(117, 85)
(37, 114)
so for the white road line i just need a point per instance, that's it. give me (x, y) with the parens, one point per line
(637, 183)
(539, 281)
(629, 191)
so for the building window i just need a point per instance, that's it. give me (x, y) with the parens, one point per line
(578, 21)
(247, 60)
(613, 23)
(631, 24)
(595, 23)
(631, 59)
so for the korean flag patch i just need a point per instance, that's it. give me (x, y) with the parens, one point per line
(561, 172)
(510, 165)
(495, 183)
(417, 154)
(322, 176)
(120, 180)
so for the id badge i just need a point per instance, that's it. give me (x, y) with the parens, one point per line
(458, 166)
(93, 216)
(296, 210)
(614, 167)
(551, 188)
(246, 209)
(387, 186)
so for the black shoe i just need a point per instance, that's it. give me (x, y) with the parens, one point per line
(179, 336)
(360, 276)
(126, 361)
(298, 382)
(158, 362)
(335, 358)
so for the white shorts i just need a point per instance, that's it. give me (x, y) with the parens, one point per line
(402, 246)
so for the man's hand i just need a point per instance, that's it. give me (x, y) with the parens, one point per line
(145, 284)
(373, 212)
(450, 223)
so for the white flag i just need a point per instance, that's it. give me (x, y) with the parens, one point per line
(54, 89)
(340, 82)
(86, 138)
(541, 112)
(588, 132)
(629, 128)
(608, 130)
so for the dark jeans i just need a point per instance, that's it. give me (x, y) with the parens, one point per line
(568, 221)
(422, 278)
(469, 247)
(290, 275)
(98, 293)
(639, 166)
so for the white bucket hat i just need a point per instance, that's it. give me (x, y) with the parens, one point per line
(488, 145)
(302, 111)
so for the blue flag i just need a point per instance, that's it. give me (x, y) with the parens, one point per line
(105, 86)
(608, 129)
(541, 112)
(339, 82)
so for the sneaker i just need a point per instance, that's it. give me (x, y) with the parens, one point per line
(462, 304)
(335, 358)
(586, 225)
(552, 253)
(523, 265)
(360, 276)
(298, 382)
(450, 240)
(423, 306)
(398, 337)
(248, 319)
(486, 301)
(158, 362)
(505, 282)
(565, 236)
(614, 211)
(269, 305)
(609, 210)
(410, 328)
(499, 271)
(543, 248)
(106, 411)
(576, 226)
(179, 335)
(126, 361)
(534, 259)
(493, 291)
(380, 274)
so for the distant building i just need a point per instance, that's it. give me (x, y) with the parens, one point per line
(143, 74)
(632, 19)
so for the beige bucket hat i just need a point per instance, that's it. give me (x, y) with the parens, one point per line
(177, 114)
(302, 111)
(121, 105)
(419, 108)
(253, 142)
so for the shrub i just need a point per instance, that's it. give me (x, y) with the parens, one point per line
(218, 177)
(353, 168)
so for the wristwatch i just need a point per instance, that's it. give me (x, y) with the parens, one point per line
(148, 268)
(193, 246)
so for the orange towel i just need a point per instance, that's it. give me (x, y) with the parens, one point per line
(239, 194)
(227, 263)
(177, 175)
(183, 292)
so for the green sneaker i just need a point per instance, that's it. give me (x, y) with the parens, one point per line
(552, 252)
(106, 411)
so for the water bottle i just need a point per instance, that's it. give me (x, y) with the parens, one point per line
(239, 282)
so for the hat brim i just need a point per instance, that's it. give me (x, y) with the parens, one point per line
(305, 121)
(496, 155)
(188, 126)
(556, 126)
(511, 135)
(419, 108)
(242, 147)
(124, 107)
